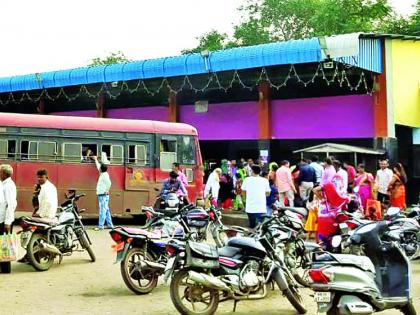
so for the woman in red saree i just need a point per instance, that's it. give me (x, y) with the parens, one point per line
(396, 187)
(364, 181)
(332, 201)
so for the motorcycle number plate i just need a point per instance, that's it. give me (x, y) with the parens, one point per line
(322, 297)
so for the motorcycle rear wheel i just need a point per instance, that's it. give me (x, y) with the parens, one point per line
(40, 260)
(190, 293)
(133, 276)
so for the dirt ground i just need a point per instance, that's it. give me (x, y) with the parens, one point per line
(78, 286)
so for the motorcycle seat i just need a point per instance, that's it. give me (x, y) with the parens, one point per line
(228, 251)
(361, 262)
(299, 210)
(156, 234)
(51, 222)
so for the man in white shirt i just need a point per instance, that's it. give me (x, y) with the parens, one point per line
(255, 189)
(47, 198)
(344, 178)
(382, 180)
(102, 191)
(7, 206)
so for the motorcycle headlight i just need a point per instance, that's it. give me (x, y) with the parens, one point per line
(172, 203)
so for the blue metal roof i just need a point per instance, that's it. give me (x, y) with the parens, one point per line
(290, 52)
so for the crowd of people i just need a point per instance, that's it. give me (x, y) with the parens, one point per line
(234, 185)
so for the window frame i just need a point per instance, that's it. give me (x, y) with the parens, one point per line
(37, 150)
(144, 162)
(7, 149)
(64, 152)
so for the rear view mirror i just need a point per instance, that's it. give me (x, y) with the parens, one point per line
(336, 241)
(392, 211)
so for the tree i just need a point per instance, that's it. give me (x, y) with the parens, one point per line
(212, 41)
(264, 21)
(116, 57)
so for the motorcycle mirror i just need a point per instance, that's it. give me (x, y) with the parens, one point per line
(356, 189)
(336, 241)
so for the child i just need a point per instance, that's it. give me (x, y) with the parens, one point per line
(271, 199)
(311, 224)
(238, 203)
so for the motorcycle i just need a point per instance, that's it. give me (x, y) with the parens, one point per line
(239, 271)
(46, 239)
(405, 231)
(350, 284)
(141, 252)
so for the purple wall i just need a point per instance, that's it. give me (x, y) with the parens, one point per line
(322, 118)
(146, 113)
(79, 113)
(306, 118)
(233, 121)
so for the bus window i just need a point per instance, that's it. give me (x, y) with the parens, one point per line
(115, 152)
(137, 154)
(167, 154)
(33, 150)
(7, 149)
(89, 150)
(72, 152)
(24, 150)
(187, 150)
(3, 149)
(47, 151)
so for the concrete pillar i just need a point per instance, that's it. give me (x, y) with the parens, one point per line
(100, 108)
(264, 112)
(41, 106)
(173, 108)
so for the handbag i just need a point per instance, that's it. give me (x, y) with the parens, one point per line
(8, 247)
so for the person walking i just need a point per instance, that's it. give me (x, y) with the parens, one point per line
(184, 180)
(255, 189)
(102, 191)
(319, 170)
(396, 187)
(306, 180)
(7, 206)
(248, 167)
(213, 186)
(351, 174)
(382, 180)
(364, 182)
(285, 185)
(342, 178)
(329, 171)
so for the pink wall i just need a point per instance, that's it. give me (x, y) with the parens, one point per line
(233, 121)
(323, 118)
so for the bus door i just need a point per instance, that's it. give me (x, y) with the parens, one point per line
(139, 177)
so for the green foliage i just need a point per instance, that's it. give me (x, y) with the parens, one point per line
(264, 21)
(117, 57)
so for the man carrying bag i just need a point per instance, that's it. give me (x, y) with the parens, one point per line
(8, 246)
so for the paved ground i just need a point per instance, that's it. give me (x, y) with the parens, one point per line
(80, 287)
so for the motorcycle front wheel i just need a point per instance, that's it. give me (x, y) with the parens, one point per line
(292, 293)
(137, 277)
(190, 298)
(85, 245)
(40, 259)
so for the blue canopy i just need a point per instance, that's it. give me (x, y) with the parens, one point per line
(281, 53)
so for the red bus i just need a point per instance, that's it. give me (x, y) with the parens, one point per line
(140, 155)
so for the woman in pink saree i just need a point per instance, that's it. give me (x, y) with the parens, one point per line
(364, 181)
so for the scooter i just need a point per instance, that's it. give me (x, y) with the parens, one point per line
(350, 284)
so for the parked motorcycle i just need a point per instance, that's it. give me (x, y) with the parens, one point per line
(46, 239)
(350, 284)
(141, 252)
(239, 271)
(405, 231)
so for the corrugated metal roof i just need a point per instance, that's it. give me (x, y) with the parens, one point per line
(339, 148)
(265, 55)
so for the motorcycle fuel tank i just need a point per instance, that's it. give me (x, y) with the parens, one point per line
(66, 218)
(197, 217)
(249, 246)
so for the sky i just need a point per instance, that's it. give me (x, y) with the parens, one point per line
(46, 35)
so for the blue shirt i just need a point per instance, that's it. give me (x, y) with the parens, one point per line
(172, 187)
(273, 195)
(306, 174)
